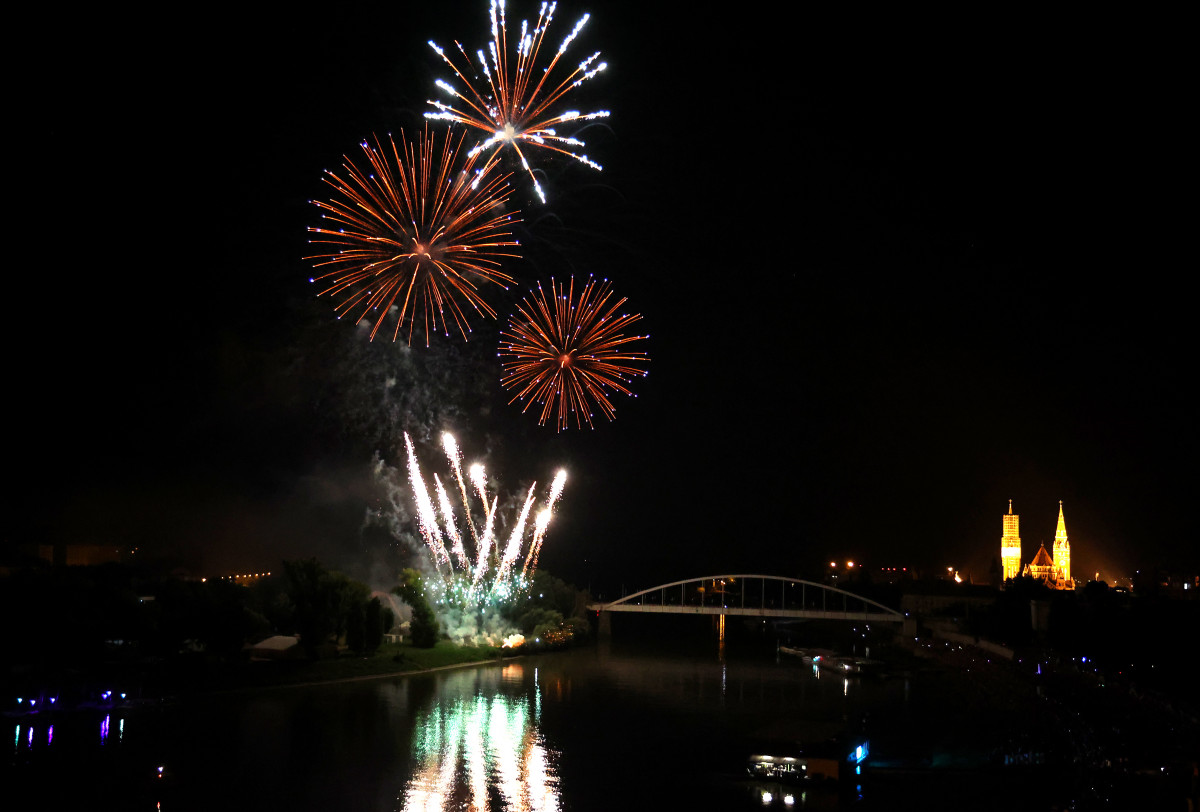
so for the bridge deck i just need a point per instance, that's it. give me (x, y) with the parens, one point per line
(747, 611)
(775, 596)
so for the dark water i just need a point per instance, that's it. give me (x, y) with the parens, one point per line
(622, 726)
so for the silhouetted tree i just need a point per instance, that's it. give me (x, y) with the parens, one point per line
(537, 621)
(356, 628)
(424, 623)
(554, 593)
(322, 601)
(995, 572)
(376, 621)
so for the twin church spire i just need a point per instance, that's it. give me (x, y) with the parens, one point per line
(1062, 547)
(1056, 571)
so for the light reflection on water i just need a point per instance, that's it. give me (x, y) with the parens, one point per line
(32, 738)
(479, 745)
(548, 733)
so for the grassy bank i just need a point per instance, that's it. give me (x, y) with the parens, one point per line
(391, 658)
(143, 683)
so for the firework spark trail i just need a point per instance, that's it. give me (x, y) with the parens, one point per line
(461, 577)
(427, 518)
(514, 540)
(543, 522)
(455, 458)
(556, 488)
(456, 542)
(539, 527)
(570, 354)
(485, 544)
(506, 103)
(420, 232)
(480, 482)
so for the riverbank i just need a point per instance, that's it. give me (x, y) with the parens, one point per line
(434, 661)
(134, 684)
(1090, 742)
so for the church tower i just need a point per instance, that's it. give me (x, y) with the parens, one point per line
(1062, 547)
(1010, 544)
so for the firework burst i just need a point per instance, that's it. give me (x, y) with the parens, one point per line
(567, 353)
(420, 232)
(514, 101)
(491, 573)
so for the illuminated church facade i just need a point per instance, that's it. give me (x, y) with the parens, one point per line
(1054, 570)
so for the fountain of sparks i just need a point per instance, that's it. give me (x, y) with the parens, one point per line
(476, 568)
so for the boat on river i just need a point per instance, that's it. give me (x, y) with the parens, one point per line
(855, 666)
(832, 661)
(815, 762)
(821, 657)
(811, 656)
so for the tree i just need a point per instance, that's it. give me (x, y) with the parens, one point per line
(552, 603)
(356, 629)
(322, 601)
(376, 622)
(424, 622)
(538, 620)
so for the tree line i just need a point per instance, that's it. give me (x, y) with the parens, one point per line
(60, 616)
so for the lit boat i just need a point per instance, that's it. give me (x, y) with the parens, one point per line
(815, 763)
(819, 656)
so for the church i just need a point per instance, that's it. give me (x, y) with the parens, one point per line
(1054, 571)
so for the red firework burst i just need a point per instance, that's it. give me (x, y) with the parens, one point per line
(420, 232)
(567, 353)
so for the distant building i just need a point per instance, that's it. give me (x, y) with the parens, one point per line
(1054, 570)
(79, 555)
(1010, 545)
(1062, 548)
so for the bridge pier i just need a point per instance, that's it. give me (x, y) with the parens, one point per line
(605, 630)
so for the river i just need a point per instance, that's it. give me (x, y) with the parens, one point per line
(645, 724)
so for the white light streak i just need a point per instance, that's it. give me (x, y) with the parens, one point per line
(488, 558)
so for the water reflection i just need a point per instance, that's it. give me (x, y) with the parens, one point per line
(30, 737)
(478, 746)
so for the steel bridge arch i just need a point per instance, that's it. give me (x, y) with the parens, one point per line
(625, 604)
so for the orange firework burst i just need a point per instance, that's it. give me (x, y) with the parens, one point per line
(515, 103)
(566, 353)
(420, 232)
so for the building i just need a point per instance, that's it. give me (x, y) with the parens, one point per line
(1054, 570)
(79, 555)
(1062, 547)
(1010, 545)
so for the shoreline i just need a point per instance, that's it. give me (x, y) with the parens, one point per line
(246, 678)
(362, 677)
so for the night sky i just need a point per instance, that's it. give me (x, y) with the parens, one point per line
(896, 271)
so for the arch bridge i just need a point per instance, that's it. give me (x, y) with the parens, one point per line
(766, 596)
